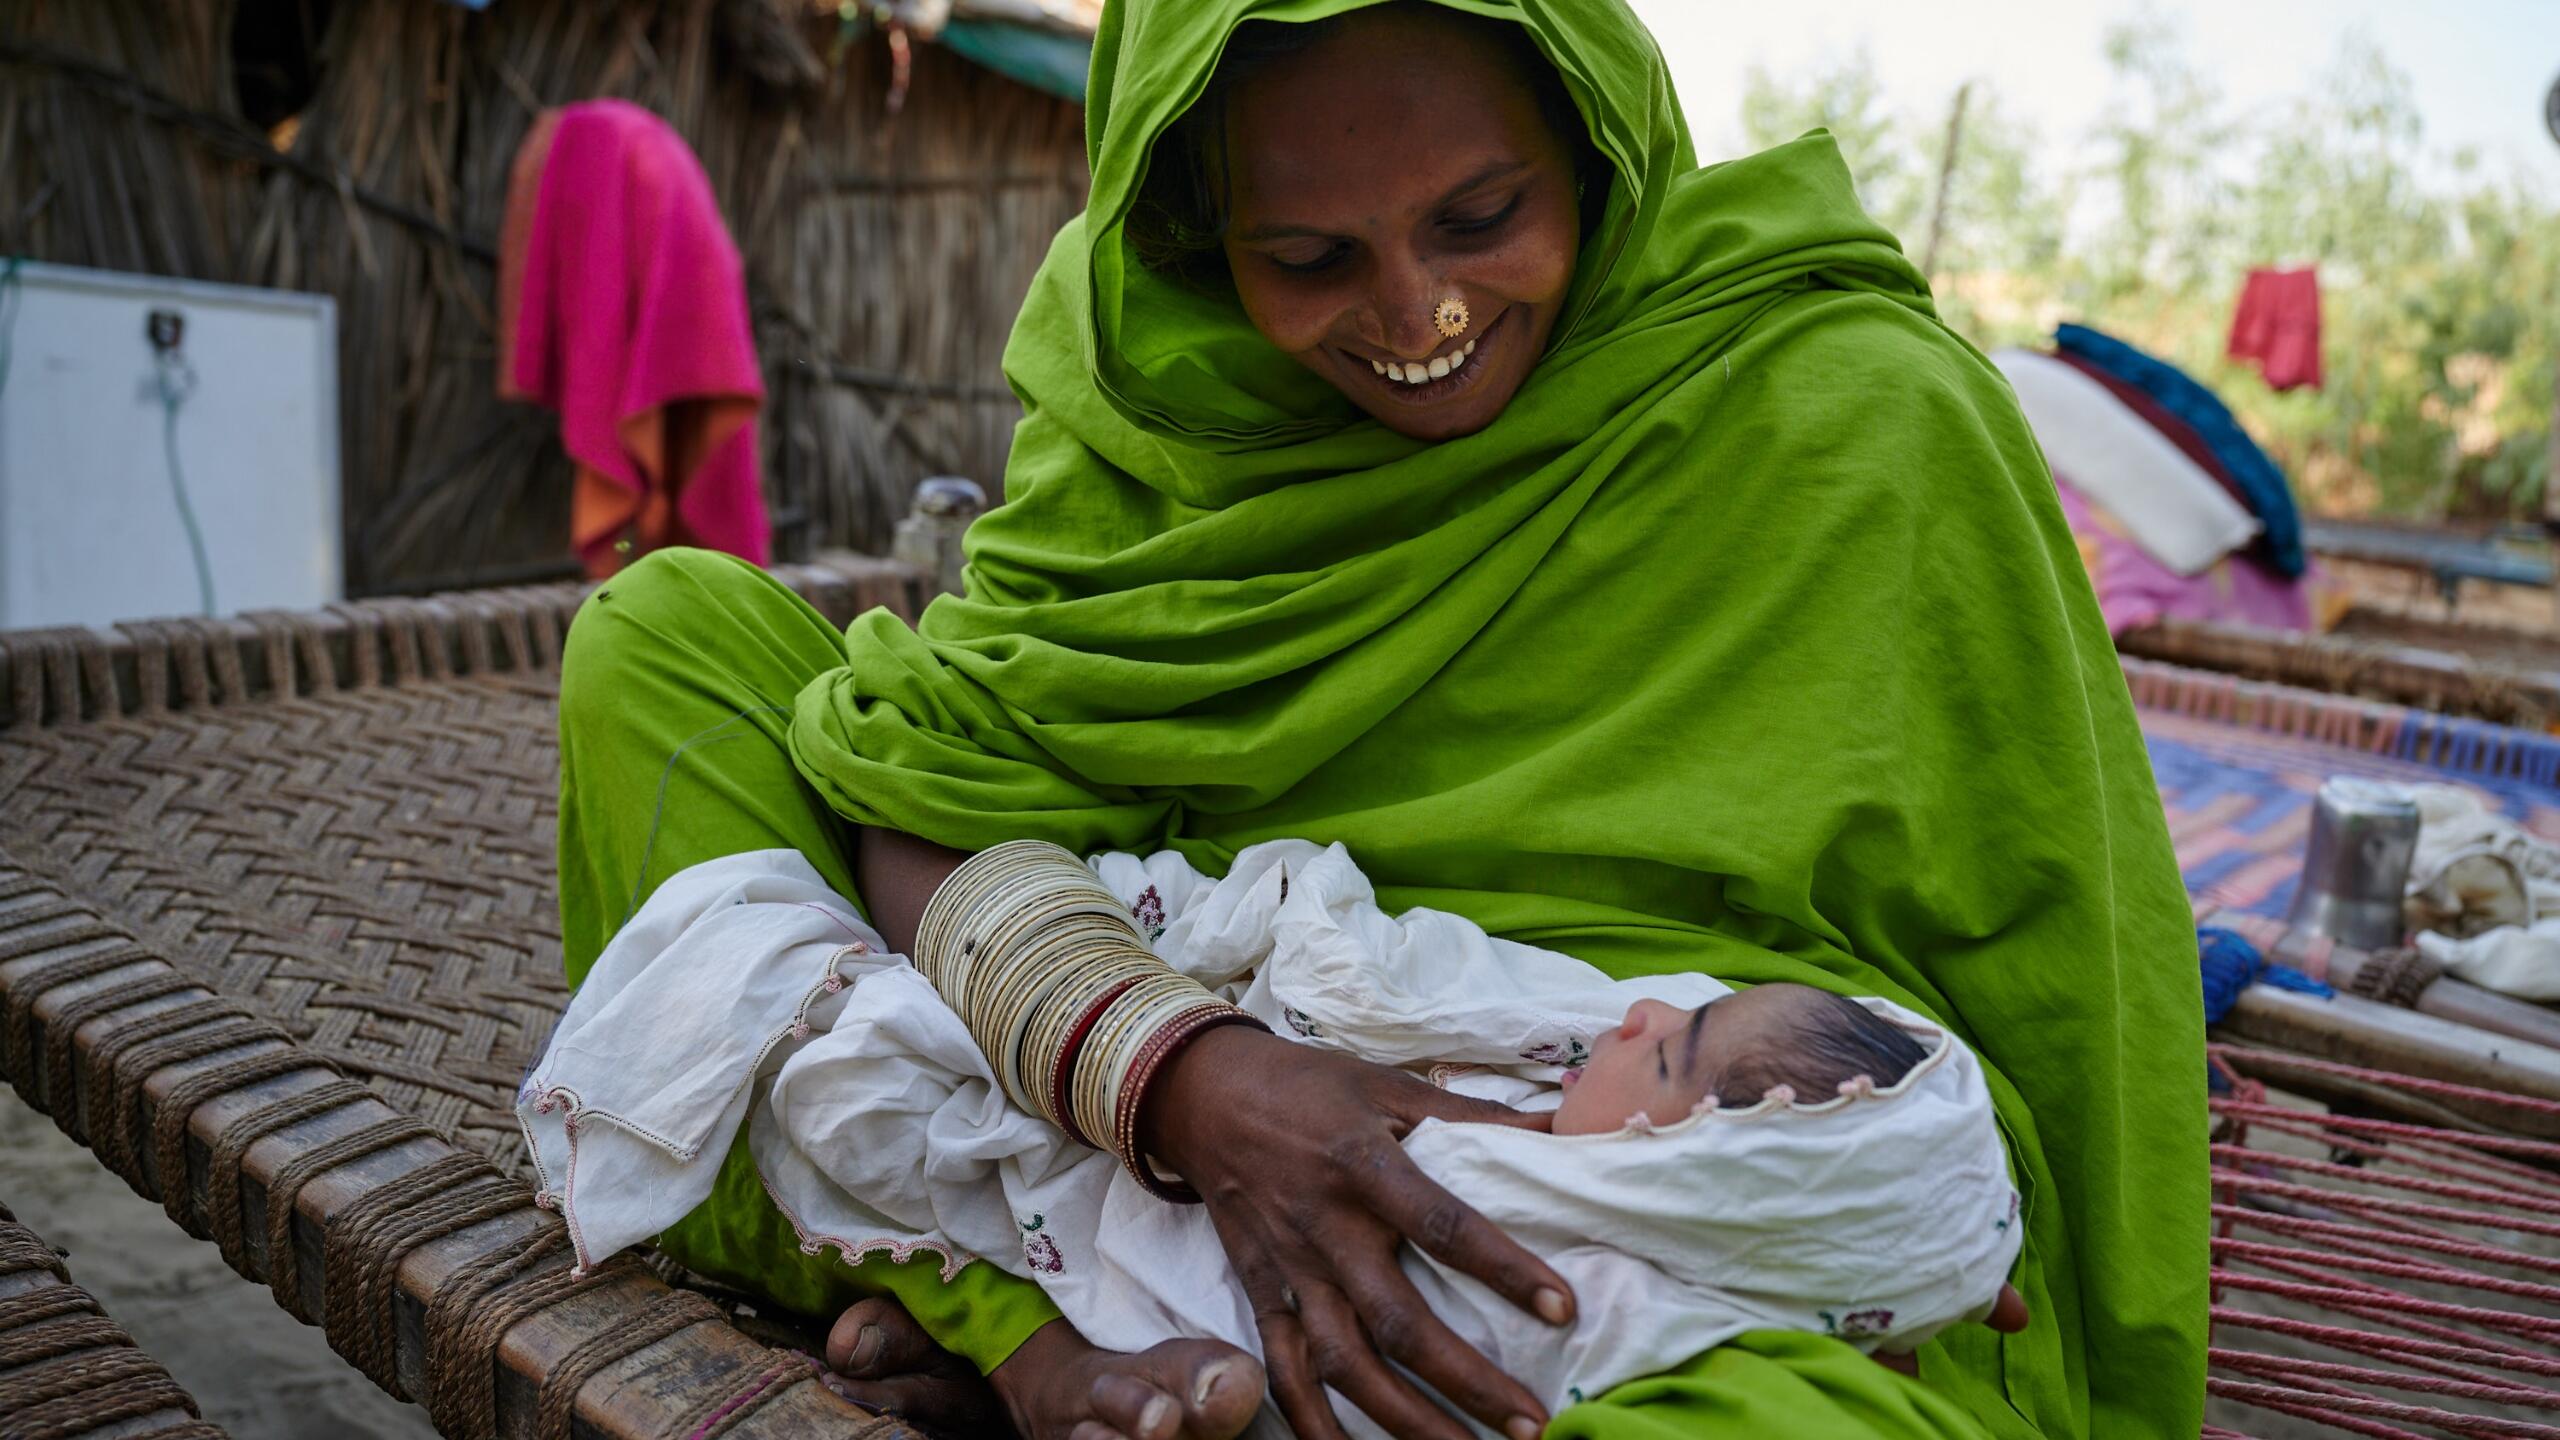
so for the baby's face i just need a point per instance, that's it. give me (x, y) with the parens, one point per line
(1662, 1060)
(1653, 1064)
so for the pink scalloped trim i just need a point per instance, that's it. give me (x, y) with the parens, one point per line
(569, 1202)
(857, 1251)
(553, 1097)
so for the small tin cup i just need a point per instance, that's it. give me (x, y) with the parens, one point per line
(2363, 834)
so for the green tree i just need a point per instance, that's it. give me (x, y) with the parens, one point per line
(2005, 220)
(1847, 100)
(2440, 286)
(2161, 145)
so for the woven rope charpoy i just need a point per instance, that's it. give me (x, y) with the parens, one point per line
(2414, 1247)
(330, 835)
(1075, 1014)
(365, 1239)
(65, 1368)
(295, 866)
(2464, 747)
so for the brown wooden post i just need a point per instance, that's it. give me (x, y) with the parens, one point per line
(1946, 181)
(2551, 476)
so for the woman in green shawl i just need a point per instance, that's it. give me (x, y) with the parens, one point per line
(1423, 453)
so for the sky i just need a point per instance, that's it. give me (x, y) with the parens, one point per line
(2478, 69)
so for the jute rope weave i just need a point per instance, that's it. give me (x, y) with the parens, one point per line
(306, 858)
(2471, 747)
(340, 820)
(367, 1238)
(66, 1369)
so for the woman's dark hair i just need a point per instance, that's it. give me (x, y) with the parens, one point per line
(1828, 1042)
(1177, 224)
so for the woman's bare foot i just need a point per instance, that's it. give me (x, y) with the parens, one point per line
(1055, 1387)
(884, 1361)
(1059, 1386)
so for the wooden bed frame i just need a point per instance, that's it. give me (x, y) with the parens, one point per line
(277, 942)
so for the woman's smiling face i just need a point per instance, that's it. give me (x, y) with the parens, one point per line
(1398, 162)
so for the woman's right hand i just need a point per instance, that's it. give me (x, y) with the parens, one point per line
(1298, 1153)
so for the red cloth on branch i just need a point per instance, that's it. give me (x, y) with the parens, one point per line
(2278, 325)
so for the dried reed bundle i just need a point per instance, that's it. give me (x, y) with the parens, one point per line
(908, 247)
(83, 181)
(886, 257)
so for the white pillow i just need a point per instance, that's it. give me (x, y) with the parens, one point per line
(2168, 504)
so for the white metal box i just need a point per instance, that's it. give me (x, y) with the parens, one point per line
(90, 519)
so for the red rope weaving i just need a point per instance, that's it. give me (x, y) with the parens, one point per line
(2373, 1276)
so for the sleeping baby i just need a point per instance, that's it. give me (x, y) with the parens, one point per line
(1662, 1063)
(1720, 1161)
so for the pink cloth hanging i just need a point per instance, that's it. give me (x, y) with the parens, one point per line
(623, 305)
(2277, 324)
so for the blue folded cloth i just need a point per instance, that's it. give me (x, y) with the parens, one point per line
(2262, 485)
(2231, 964)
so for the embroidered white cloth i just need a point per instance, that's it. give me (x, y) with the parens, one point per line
(2168, 504)
(744, 992)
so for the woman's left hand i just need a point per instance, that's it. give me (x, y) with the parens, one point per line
(1298, 1153)
(2008, 1316)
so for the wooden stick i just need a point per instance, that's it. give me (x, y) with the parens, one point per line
(2464, 1003)
(2356, 1031)
(1946, 179)
(2403, 674)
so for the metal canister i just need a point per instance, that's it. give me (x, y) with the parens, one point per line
(2363, 834)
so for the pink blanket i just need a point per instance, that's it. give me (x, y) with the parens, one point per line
(2135, 590)
(623, 305)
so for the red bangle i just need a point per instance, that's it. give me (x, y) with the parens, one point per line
(1160, 1048)
(1066, 1066)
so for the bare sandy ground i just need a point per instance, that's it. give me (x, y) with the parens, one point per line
(257, 1371)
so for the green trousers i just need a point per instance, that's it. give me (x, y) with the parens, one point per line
(675, 695)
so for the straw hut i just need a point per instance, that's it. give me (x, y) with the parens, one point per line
(890, 184)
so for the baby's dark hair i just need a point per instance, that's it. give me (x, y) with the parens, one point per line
(1822, 1042)
(1177, 223)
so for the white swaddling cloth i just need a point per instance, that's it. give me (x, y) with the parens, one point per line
(2484, 894)
(877, 1124)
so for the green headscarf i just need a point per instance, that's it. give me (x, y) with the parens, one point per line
(1748, 639)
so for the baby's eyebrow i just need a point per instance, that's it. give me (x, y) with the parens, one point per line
(1697, 1027)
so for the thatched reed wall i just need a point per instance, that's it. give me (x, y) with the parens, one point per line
(886, 254)
(81, 180)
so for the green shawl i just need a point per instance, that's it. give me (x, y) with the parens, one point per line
(1749, 639)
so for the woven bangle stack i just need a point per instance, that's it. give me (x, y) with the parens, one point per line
(1076, 1016)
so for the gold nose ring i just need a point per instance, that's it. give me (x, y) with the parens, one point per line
(1450, 318)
